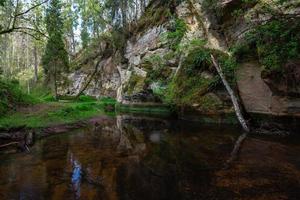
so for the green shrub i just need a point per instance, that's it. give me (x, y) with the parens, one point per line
(11, 96)
(175, 36)
(190, 86)
(274, 43)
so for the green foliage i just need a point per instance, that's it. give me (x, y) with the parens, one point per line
(119, 39)
(48, 98)
(176, 34)
(153, 16)
(84, 98)
(136, 83)
(11, 96)
(190, 85)
(157, 70)
(274, 43)
(55, 58)
(198, 57)
(2, 2)
(57, 113)
(84, 35)
(186, 90)
(213, 6)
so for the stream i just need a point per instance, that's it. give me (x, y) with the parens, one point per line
(140, 158)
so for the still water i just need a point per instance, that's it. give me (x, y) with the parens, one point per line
(142, 158)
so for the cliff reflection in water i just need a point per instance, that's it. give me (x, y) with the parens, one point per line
(130, 158)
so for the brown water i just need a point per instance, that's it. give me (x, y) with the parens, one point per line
(146, 158)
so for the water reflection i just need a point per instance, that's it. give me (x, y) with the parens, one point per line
(76, 177)
(143, 158)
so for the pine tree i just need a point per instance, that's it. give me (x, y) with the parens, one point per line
(55, 59)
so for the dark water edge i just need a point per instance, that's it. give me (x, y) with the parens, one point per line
(134, 157)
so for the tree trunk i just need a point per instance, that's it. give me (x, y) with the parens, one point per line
(89, 80)
(55, 83)
(233, 97)
(35, 64)
(124, 13)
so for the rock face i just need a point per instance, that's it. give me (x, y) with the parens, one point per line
(275, 96)
(150, 63)
(104, 83)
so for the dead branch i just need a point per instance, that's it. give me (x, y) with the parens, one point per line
(232, 95)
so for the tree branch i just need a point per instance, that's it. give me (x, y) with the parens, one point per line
(29, 9)
(12, 24)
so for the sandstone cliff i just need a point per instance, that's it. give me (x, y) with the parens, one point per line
(163, 59)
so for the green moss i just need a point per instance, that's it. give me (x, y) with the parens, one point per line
(185, 91)
(190, 86)
(273, 43)
(176, 34)
(157, 70)
(135, 84)
(213, 6)
(155, 15)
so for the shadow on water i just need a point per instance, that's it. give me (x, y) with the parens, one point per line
(150, 158)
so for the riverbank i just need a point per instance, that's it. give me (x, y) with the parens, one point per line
(47, 114)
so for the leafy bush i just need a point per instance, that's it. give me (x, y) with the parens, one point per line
(274, 43)
(190, 86)
(11, 95)
(175, 36)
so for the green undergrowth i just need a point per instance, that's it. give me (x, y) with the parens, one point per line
(273, 44)
(177, 32)
(54, 113)
(12, 96)
(197, 77)
(156, 14)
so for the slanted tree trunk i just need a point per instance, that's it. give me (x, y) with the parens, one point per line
(89, 80)
(181, 59)
(233, 97)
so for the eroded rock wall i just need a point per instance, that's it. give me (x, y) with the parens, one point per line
(148, 53)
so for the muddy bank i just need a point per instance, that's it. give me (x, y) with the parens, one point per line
(21, 138)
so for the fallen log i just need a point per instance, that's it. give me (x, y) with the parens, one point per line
(9, 144)
(232, 95)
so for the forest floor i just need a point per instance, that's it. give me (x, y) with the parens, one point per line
(48, 114)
